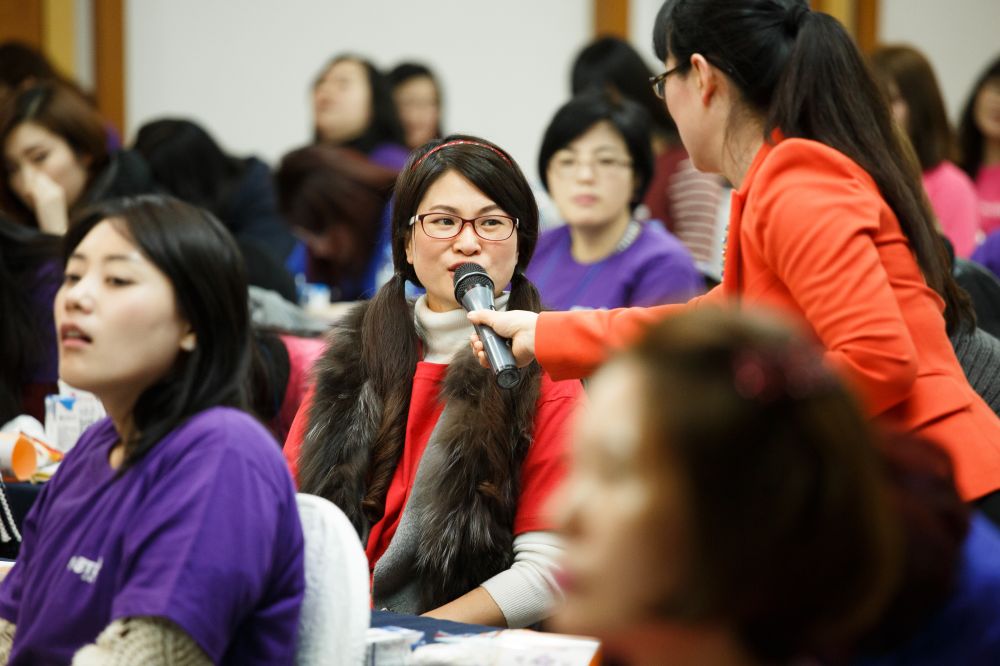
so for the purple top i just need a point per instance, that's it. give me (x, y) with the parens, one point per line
(988, 254)
(204, 531)
(966, 628)
(655, 268)
(389, 155)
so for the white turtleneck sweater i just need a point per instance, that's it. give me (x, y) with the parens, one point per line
(527, 591)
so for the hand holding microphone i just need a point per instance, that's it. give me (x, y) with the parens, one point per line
(474, 290)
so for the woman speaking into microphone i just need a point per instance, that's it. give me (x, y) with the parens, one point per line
(828, 222)
(444, 473)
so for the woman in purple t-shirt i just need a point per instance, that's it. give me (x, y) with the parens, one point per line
(170, 530)
(353, 108)
(596, 162)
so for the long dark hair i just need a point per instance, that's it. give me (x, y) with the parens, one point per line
(612, 64)
(384, 125)
(320, 187)
(204, 266)
(927, 123)
(802, 72)
(24, 255)
(810, 532)
(389, 340)
(62, 111)
(970, 137)
(188, 163)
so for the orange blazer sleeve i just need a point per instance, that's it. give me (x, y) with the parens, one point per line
(572, 345)
(814, 222)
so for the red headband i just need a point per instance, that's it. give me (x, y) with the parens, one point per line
(458, 142)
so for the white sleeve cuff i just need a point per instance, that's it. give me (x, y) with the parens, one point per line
(527, 591)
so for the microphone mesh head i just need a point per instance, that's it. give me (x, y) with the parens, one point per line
(470, 275)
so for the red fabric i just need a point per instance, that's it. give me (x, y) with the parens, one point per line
(811, 236)
(296, 433)
(302, 353)
(425, 409)
(542, 472)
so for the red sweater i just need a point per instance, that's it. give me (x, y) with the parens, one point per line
(542, 472)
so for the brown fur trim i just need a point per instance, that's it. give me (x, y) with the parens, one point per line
(467, 531)
(343, 418)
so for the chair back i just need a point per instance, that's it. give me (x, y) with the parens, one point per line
(336, 610)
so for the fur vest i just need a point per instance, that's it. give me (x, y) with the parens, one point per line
(463, 515)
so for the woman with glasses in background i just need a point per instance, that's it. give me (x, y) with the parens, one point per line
(445, 475)
(596, 162)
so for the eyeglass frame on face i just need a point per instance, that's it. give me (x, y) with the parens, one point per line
(420, 218)
(659, 82)
(570, 170)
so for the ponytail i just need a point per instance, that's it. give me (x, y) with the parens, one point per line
(342, 462)
(803, 73)
(523, 294)
(827, 93)
(389, 353)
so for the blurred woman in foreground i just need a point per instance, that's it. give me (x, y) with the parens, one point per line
(728, 503)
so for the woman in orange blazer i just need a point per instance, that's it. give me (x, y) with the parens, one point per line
(828, 223)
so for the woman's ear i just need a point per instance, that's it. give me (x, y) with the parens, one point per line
(707, 78)
(409, 247)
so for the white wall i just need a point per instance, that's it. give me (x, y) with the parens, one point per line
(642, 15)
(959, 37)
(244, 69)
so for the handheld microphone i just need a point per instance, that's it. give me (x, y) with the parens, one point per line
(474, 290)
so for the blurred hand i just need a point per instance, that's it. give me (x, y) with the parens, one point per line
(47, 199)
(518, 326)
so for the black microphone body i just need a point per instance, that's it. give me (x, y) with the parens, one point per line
(474, 290)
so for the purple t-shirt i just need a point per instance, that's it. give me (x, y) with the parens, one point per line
(204, 531)
(656, 268)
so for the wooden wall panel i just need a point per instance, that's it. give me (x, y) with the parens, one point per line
(21, 20)
(59, 35)
(860, 17)
(868, 24)
(109, 63)
(611, 18)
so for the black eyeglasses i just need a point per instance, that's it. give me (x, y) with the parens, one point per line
(659, 81)
(445, 225)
